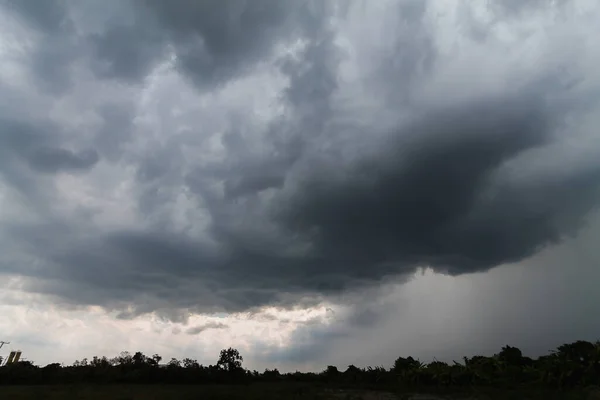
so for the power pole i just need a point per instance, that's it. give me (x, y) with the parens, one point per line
(2, 343)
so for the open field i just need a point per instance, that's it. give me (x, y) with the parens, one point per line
(187, 392)
(261, 392)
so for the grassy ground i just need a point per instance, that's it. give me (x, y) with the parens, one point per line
(181, 392)
(261, 392)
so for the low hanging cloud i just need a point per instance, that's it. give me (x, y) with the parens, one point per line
(195, 330)
(349, 164)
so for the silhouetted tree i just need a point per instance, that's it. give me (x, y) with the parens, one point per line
(155, 360)
(174, 363)
(124, 359)
(511, 356)
(571, 365)
(189, 363)
(100, 362)
(406, 364)
(139, 359)
(230, 360)
(82, 363)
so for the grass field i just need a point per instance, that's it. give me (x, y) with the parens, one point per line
(259, 392)
(186, 392)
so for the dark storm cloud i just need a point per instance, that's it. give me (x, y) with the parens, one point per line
(213, 41)
(439, 192)
(52, 54)
(414, 202)
(51, 64)
(31, 154)
(53, 160)
(209, 325)
(126, 52)
(33, 144)
(312, 82)
(116, 130)
(48, 17)
(320, 203)
(253, 183)
(119, 51)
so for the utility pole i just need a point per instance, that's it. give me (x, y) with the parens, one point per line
(2, 343)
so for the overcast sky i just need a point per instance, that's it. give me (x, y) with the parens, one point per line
(312, 182)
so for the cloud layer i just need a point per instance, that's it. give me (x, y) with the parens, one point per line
(177, 157)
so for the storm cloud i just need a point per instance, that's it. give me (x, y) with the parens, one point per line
(226, 156)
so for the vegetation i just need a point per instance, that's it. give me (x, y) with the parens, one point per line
(574, 365)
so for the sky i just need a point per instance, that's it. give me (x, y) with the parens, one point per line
(314, 183)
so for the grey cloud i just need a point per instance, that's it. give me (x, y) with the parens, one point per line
(253, 184)
(126, 52)
(48, 16)
(116, 130)
(518, 8)
(366, 317)
(434, 196)
(30, 144)
(248, 173)
(309, 344)
(52, 55)
(52, 63)
(502, 11)
(31, 153)
(314, 321)
(318, 203)
(53, 160)
(414, 202)
(313, 82)
(216, 40)
(209, 325)
(212, 41)
(410, 56)
(440, 192)
(423, 201)
(313, 341)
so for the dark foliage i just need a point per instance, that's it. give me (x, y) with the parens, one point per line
(570, 365)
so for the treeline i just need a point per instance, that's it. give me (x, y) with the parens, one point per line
(570, 365)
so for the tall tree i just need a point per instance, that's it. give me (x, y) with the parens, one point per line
(230, 360)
